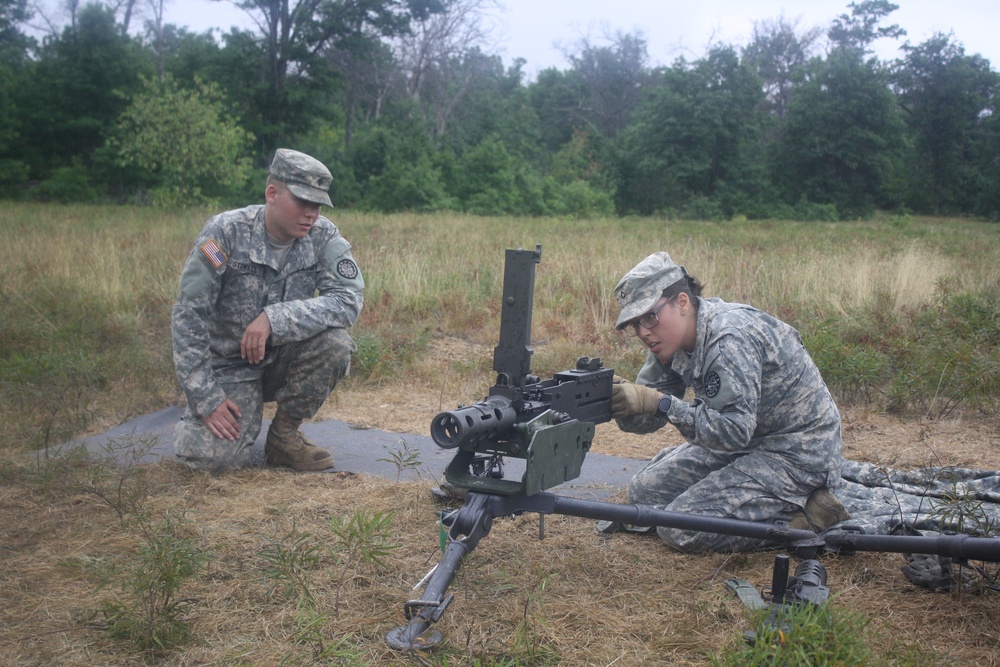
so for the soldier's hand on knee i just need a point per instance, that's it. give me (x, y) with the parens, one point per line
(254, 341)
(223, 422)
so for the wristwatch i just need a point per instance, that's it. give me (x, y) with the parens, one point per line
(663, 406)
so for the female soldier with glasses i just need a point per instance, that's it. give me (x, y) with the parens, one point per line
(763, 433)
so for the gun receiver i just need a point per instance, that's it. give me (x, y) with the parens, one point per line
(548, 423)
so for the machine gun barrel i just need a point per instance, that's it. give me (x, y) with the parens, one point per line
(467, 426)
(583, 393)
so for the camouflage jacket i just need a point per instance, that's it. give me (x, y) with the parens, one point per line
(756, 389)
(230, 277)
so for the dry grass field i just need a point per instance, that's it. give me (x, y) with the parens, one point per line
(574, 598)
(86, 296)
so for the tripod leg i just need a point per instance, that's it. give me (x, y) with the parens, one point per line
(472, 523)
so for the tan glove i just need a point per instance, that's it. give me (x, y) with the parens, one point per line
(628, 398)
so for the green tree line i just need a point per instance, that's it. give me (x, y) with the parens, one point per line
(407, 105)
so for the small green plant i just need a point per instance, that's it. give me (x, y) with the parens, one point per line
(403, 459)
(962, 510)
(291, 558)
(117, 477)
(149, 611)
(803, 636)
(529, 644)
(152, 614)
(363, 538)
(374, 355)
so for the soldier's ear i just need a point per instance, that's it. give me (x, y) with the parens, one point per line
(270, 192)
(683, 302)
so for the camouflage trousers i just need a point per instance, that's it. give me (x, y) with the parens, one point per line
(701, 481)
(301, 377)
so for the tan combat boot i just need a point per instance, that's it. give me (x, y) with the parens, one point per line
(286, 446)
(823, 509)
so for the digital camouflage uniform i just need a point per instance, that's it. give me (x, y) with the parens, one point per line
(230, 277)
(762, 430)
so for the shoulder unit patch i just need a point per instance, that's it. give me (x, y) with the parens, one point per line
(712, 384)
(347, 269)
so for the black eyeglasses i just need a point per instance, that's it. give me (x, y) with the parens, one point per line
(647, 321)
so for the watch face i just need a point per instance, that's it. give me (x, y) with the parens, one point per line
(662, 406)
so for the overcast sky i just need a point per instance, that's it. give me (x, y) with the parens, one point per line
(540, 30)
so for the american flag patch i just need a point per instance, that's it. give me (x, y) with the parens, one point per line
(214, 253)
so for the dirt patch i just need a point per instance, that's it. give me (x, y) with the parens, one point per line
(969, 441)
(407, 405)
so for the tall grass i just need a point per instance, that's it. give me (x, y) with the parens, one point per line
(893, 310)
(85, 297)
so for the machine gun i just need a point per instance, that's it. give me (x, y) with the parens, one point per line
(550, 425)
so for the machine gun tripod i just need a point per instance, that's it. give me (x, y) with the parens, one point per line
(475, 519)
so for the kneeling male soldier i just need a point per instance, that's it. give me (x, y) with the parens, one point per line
(763, 433)
(266, 298)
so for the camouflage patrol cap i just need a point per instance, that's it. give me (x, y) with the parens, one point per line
(305, 176)
(642, 287)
